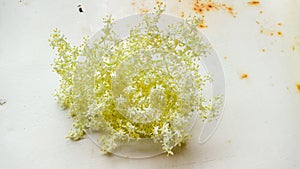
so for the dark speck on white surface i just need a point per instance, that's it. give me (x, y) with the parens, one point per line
(80, 8)
(2, 102)
(23, 2)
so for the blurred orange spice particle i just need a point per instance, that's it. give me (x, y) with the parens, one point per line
(244, 76)
(202, 25)
(144, 10)
(182, 14)
(203, 6)
(298, 87)
(253, 3)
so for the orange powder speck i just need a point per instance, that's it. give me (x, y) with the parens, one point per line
(252, 3)
(202, 7)
(257, 22)
(261, 12)
(279, 24)
(133, 3)
(298, 87)
(231, 11)
(261, 31)
(225, 57)
(143, 11)
(202, 25)
(271, 34)
(279, 33)
(244, 76)
(263, 50)
(182, 14)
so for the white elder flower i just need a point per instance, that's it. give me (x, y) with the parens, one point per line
(177, 133)
(113, 74)
(130, 127)
(129, 89)
(148, 110)
(132, 112)
(159, 87)
(120, 99)
(165, 129)
(156, 128)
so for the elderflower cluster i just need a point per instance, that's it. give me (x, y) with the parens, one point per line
(147, 85)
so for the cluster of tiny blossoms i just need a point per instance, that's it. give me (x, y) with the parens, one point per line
(147, 85)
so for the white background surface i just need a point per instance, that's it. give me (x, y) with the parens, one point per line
(261, 124)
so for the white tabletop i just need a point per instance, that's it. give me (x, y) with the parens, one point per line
(261, 123)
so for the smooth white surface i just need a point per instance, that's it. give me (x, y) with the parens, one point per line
(261, 124)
